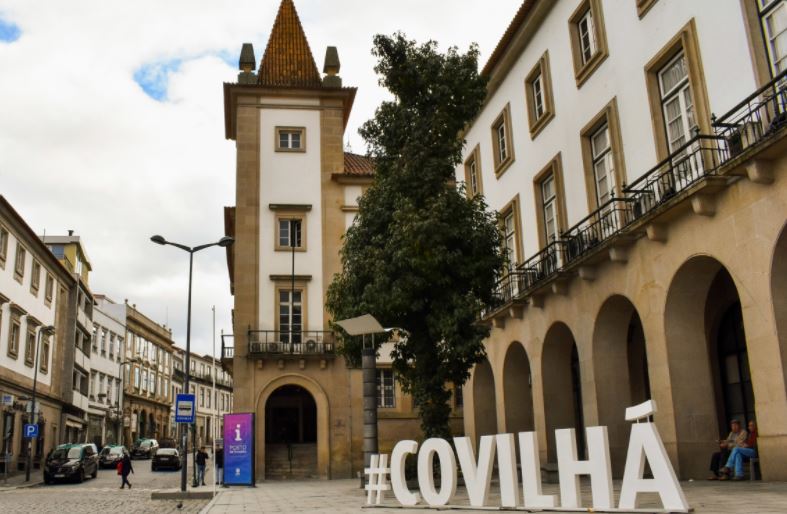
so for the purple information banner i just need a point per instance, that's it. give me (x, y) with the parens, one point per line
(239, 449)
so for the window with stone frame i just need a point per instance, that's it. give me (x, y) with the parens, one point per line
(773, 19)
(602, 155)
(35, 277)
(43, 358)
(538, 92)
(510, 228)
(290, 139)
(19, 262)
(30, 345)
(643, 6)
(386, 388)
(588, 39)
(3, 245)
(49, 289)
(550, 202)
(290, 315)
(14, 334)
(473, 179)
(502, 141)
(290, 232)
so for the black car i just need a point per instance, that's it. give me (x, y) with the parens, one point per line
(111, 455)
(165, 458)
(71, 462)
(144, 449)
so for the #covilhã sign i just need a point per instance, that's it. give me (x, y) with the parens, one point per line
(239, 449)
(645, 445)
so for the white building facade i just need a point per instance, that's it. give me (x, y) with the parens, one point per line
(633, 149)
(105, 395)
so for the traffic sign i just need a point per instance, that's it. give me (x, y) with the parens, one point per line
(185, 410)
(30, 430)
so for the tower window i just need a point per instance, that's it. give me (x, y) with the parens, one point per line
(290, 139)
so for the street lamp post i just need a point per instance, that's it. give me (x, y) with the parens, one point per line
(48, 329)
(223, 242)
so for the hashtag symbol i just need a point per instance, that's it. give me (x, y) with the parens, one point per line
(378, 472)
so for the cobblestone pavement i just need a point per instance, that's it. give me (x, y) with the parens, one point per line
(344, 496)
(102, 494)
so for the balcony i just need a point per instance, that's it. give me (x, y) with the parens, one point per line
(699, 167)
(283, 344)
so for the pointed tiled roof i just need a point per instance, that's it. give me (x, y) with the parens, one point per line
(288, 60)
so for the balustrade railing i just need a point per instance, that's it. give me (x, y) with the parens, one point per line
(298, 342)
(755, 119)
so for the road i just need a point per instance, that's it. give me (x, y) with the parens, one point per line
(103, 494)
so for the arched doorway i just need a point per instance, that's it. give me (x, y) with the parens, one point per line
(290, 434)
(562, 388)
(152, 425)
(620, 367)
(518, 390)
(709, 367)
(779, 295)
(484, 401)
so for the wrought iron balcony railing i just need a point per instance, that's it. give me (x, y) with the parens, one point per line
(299, 343)
(754, 120)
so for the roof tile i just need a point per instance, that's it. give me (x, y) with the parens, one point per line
(288, 60)
(358, 165)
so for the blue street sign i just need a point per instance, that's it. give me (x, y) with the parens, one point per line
(30, 430)
(185, 408)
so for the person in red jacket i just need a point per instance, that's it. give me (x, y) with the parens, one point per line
(746, 450)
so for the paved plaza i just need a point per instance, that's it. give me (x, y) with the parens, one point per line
(101, 494)
(344, 496)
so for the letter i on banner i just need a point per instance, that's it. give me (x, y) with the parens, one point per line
(477, 477)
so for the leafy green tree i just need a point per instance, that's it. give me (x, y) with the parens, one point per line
(421, 255)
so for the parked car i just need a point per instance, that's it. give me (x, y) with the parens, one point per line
(111, 455)
(144, 449)
(71, 462)
(168, 458)
(167, 442)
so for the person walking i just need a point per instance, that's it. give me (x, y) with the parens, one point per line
(202, 457)
(219, 465)
(125, 469)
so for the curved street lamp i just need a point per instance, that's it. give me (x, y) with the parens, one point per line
(49, 329)
(223, 242)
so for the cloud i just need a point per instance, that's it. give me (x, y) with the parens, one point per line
(112, 124)
(9, 32)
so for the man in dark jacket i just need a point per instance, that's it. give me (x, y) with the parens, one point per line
(125, 469)
(202, 457)
(219, 465)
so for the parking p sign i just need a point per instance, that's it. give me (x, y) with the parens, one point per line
(30, 430)
(184, 408)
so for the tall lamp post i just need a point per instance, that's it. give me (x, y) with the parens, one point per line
(48, 329)
(223, 242)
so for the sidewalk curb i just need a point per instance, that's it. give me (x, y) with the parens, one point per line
(4, 489)
(206, 509)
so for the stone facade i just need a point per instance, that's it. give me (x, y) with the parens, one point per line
(306, 398)
(674, 288)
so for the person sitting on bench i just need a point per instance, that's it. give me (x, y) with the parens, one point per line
(736, 438)
(747, 450)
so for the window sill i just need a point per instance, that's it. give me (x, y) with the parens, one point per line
(14, 355)
(503, 167)
(541, 123)
(291, 150)
(288, 249)
(584, 72)
(19, 278)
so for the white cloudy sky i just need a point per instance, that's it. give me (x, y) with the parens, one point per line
(111, 123)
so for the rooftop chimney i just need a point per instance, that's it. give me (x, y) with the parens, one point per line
(246, 64)
(70, 232)
(331, 68)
